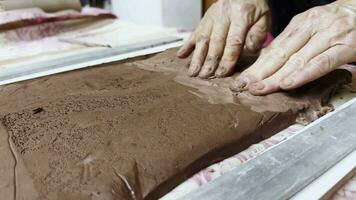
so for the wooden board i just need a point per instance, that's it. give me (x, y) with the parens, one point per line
(287, 168)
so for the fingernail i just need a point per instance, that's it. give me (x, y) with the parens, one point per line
(203, 76)
(258, 86)
(180, 51)
(206, 72)
(220, 72)
(192, 71)
(239, 85)
(287, 82)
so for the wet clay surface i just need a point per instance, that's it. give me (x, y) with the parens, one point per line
(120, 132)
(310, 101)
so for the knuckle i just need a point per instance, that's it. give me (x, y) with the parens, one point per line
(297, 18)
(297, 60)
(199, 30)
(265, 51)
(351, 39)
(322, 63)
(244, 6)
(234, 42)
(251, 49)
(253, 46)
(230, 55)
(291, 32)
(211, 10)
(259, 29)
(192, 39)
(224, 3)
(212, 59)
(320, 10)
(314, 13)
(245, 11)
(256, 38)
(197, 61)
(217, 39)
(342, 27)
(279, 54)
(203, 39)
(221, 12)
(248, 12)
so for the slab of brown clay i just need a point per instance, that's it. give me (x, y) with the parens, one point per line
(132, 130)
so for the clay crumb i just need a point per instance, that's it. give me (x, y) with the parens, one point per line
(38, 110)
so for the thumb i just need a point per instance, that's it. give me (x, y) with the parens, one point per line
(256, 36)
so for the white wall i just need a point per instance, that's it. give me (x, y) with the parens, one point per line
(182, 13)
(165, 13)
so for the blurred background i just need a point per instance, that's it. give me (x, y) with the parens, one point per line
(184, 14)
(45, 31)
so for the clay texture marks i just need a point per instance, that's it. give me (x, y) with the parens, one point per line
(119, 132)
(309, 101)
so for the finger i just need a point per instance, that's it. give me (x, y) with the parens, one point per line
(316, 45)
(295, 25)
(187, 47)
(236, 38)
(235, 41)
(319, 66)
(270, 61)
(199, 56)
(216, 46)
(256, 36)
(216, 49)
(201, 48)
(275, 56)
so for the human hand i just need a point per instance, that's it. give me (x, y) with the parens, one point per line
(228, 27)
(313, 44)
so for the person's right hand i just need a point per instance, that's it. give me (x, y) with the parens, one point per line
(228, 28)
(314, 43)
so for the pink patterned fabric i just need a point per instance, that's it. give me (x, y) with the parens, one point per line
(30, 33)
(348, 192)
(215, 171)
(37, 16)
(36, 32)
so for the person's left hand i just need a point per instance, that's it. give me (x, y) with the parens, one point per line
(314, 43)
(228, 29)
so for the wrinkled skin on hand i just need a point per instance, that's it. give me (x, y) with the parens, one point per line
(313, 44)
(228, 28)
